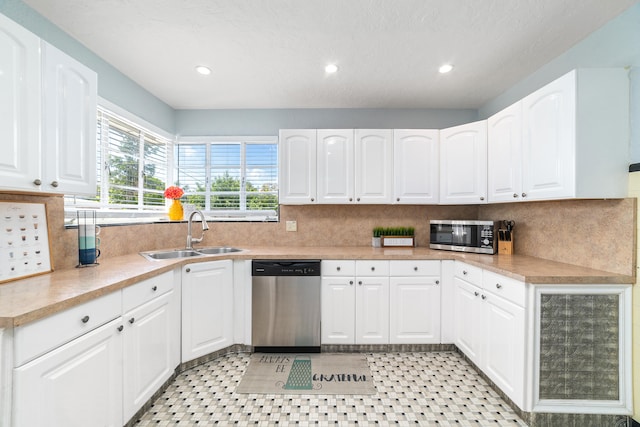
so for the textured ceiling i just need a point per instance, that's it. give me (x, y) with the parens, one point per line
(272, 53)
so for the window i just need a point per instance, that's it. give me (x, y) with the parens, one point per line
(230, 177)
(227, 178)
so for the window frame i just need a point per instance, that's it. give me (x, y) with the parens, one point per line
(243, 141)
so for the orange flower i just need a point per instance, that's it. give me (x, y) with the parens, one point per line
(173, 192)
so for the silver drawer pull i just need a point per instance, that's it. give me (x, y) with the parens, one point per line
(437, 282)
(415, 268)
(351, 282)
(338, 268)
(476, 293)
(154, 288)
(120, 328)
(85, 319)
(373, 269)
(133, 319)
(360, 283)
(484, 297)
(464, 272)
(498, 285)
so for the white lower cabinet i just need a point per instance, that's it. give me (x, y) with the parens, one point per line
(104, 365)
(490, 326)
(355, 302)
(77, 384)
(207, 308)
(148, 359)
(414, 302)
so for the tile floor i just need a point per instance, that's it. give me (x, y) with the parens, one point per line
(414, 389)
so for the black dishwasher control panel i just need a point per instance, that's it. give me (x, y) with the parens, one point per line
(289, 267)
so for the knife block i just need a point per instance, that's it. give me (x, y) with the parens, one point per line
(505, 247)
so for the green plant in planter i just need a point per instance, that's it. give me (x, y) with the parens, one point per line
(378, 232)
(399, 231)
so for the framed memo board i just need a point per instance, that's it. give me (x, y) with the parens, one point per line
(24, 240)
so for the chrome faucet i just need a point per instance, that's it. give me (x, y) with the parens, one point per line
(205, 227)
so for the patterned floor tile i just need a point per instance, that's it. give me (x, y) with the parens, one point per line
(414, 389)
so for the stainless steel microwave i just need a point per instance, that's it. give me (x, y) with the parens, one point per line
(464, 236)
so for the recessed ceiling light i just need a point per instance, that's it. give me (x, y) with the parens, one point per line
(444, 69)
(203, 70)
(331, 68)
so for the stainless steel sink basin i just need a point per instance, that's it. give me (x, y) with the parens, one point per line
(170, 254)
(217, 250)
(186, 253)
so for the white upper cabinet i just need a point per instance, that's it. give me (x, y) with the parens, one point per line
(373, 166)
(504, 158)
(335, 166)
(416, 171)
(48, 120)
(297, 153)
(20, 105)
(69, 124)
(463, 164)
(575, 136)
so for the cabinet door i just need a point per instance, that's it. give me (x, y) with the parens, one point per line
(297, 152)
(414, 309)
(468, 322)
(148, 343)
(20, 106)
(338, 307)
(416, 171)
(77, 384)
(207, 308)
(548, 144)
(463, 164)
(372, 310)
(504, 346)
(373, 166)
(69, 124)
(504, 145)
(335, 166)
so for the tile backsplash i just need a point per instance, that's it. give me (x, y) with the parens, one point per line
(593, 233)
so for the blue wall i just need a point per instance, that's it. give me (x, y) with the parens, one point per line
(267, 122)
(616, 44)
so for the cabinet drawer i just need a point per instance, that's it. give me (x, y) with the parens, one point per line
(469, 273)
(372, 268)
(506, 287)
(338, 268)
(36, 338)
(414, 268)
(146, 290)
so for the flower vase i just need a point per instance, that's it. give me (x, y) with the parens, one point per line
(176, 212)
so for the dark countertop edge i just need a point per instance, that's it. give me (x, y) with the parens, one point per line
(154, 268)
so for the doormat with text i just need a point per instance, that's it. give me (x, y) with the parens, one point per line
(316, 373)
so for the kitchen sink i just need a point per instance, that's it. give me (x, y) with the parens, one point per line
(170, 254)
(186, 253)
(217, 250)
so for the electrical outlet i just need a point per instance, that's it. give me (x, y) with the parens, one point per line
(292, 226)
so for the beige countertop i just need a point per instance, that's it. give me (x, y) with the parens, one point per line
(36, 297)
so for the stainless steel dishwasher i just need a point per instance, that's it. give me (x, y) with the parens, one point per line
(285, 305)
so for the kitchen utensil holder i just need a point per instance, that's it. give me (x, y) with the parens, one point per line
(505, 247)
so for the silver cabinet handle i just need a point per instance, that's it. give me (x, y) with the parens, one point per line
(464, 272)
(54, 184)
(481, 197)
(154, 288)
(338, 268)
(484, 297)
(313, 200)
(37, 182)
(398, 199)
(120, 328)
(133, 319)
(351, 282)
(515, 195)
(437, 282)
(373, 269)
(85, 319)
(351, 199)
(415, 268)
(188, 270)
(498, 285)
(524, 194)
(360, 283)
(476, 293)
(358, 199)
